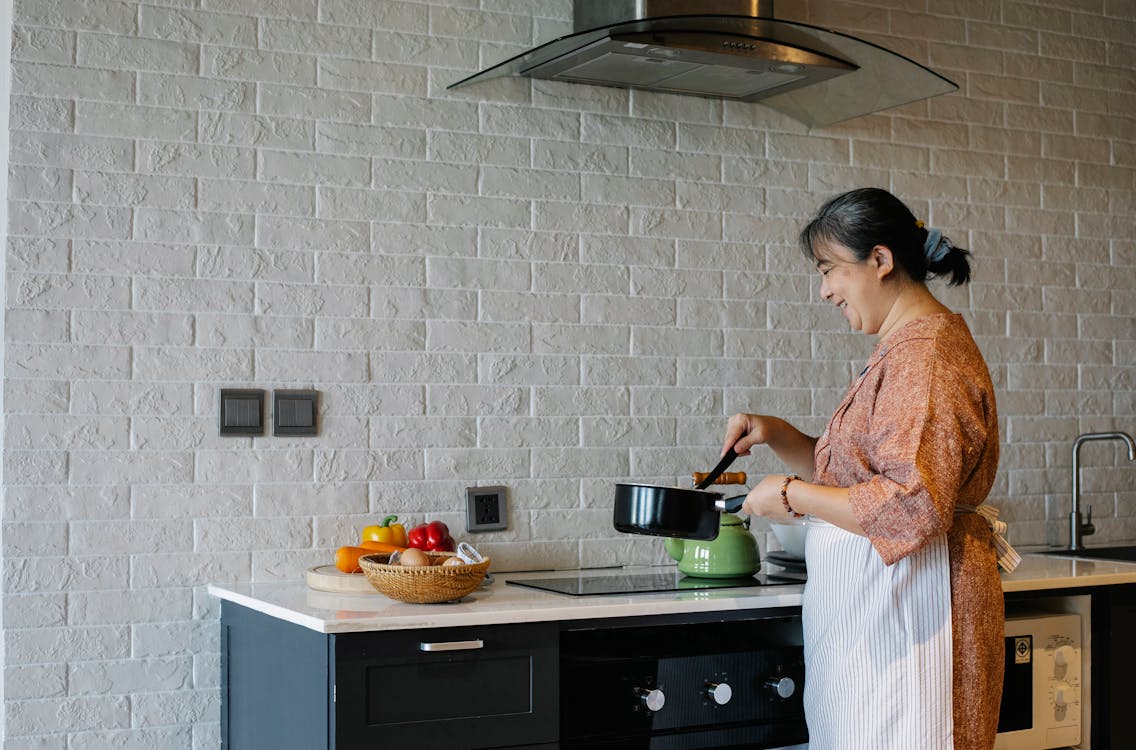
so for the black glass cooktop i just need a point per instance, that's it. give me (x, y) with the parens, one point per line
(590, 584)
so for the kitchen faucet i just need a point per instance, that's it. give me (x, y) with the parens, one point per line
(1078, 530)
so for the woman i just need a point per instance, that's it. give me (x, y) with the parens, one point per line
(903, 609)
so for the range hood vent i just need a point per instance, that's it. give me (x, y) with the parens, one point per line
(726, 49)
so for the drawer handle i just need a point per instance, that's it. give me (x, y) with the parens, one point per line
(452, 645)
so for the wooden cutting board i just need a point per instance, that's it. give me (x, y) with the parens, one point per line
(331, 578)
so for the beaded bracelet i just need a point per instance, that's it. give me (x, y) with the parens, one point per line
(785, 496)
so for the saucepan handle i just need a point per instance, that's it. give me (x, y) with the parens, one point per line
(730, 504)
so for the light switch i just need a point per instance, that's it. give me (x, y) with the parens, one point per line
(294, 412)
(241, 412)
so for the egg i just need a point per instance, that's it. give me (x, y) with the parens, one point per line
(413, 557)
(453, 561)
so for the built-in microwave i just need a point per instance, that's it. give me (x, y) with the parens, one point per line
(1042, 691)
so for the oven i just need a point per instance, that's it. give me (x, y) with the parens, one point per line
(1042, 689)
(684, 686)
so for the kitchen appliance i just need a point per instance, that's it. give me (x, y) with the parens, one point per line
(675, 511)
(670, 511)
(1041, 693)
(696, 685)
(733, 553)
(594, 584)
(729, 49)
(703, 534)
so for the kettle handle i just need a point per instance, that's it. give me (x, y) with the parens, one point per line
(729, 477)
(727, 458)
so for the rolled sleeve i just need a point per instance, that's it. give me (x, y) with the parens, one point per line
(916, 453)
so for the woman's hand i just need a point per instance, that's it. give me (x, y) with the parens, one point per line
(819, 501)
(792, 446)
(744, 431)
(765, 499)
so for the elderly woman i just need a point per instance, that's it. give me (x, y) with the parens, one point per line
(903, 610)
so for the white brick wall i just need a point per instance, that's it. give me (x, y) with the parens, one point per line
(548, 286)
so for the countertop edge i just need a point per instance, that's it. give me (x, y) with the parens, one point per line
(1071, 582)
(498, 604)
(266, 607)
(471, 611)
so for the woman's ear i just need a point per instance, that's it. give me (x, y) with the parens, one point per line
(884, 259)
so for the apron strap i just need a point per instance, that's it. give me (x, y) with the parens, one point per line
(1008, 557)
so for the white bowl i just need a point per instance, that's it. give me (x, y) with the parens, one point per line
(791, 536)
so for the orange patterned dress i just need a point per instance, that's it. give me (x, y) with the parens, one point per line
(916, 435)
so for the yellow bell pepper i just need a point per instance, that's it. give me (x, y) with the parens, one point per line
(388, 532)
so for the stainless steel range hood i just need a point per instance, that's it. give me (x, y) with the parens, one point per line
(729, 49)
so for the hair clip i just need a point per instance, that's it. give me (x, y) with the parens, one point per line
(936, 247)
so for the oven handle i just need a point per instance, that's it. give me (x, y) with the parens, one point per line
(452, 645)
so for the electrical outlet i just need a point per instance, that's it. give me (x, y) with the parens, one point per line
(486, 508)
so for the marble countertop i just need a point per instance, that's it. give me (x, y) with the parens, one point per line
(500, 603)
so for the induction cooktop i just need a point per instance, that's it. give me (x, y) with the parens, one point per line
(590, 584)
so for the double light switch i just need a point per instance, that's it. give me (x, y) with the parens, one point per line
(242, 412)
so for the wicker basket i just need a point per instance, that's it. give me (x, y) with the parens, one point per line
(425, 584)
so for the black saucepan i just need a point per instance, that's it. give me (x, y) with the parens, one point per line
(675, 511)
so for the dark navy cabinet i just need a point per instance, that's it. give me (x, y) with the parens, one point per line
(288, 687)
(1114, 664)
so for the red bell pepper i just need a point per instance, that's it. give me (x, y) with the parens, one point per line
(433, 536)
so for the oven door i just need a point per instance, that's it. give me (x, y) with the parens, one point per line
(684, 687)
(1041, 691)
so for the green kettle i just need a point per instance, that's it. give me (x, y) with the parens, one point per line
(732, 554)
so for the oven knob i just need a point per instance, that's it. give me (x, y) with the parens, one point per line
(784, 687)
(719, 692)
(652, 699)
(1063, 695)
(1063, 656)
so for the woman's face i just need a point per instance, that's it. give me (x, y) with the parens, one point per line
(855, 287)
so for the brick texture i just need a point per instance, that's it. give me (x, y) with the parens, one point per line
(549, 286)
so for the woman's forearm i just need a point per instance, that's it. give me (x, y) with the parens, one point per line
(793, 447)
(827, 503)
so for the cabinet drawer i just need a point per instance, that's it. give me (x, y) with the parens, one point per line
(456, 687)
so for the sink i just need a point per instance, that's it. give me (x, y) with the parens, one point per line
(1127, 553)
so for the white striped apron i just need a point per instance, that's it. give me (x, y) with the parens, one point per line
(877, 645)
